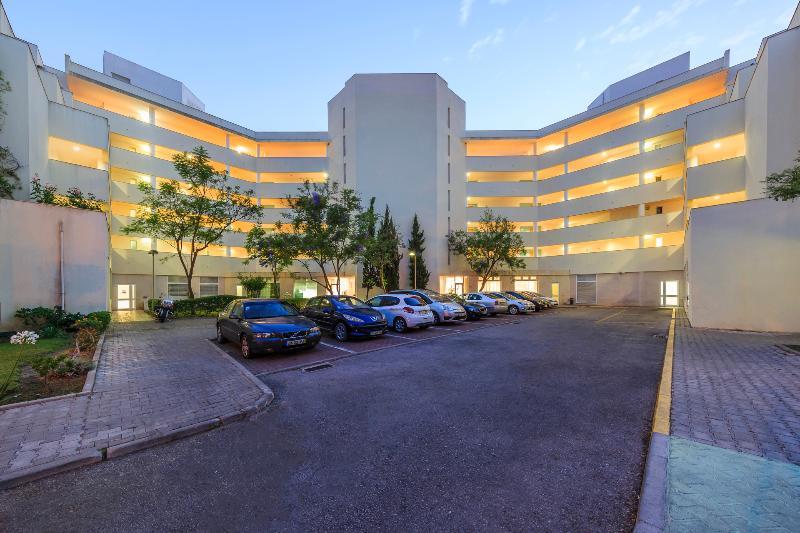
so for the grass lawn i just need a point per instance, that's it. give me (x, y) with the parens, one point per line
(10, 352)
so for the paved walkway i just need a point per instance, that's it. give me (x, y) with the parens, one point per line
(734, 447)
(152, 380)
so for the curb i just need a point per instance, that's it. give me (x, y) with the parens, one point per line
(86, 457)
(88, 385)
(91, 456)
(652, 513)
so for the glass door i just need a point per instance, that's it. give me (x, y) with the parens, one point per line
(126, 298)
(669, 293)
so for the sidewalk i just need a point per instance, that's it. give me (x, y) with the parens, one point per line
(731, 461)
(154, 383)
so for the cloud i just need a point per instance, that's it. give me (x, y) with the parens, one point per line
(738, 38)
(464, 11)
(493, 39)
(580, 44)
(626, 32)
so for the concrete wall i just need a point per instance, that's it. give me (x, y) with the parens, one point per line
(30, 258)
(743, 266)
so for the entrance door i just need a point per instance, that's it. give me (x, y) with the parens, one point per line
(554, 290)
(669, 293)
(126, 298)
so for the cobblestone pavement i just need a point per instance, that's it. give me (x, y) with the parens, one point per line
(734, 449)
(151, 379)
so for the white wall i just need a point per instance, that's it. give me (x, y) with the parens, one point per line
(30, 252)
(743, 266)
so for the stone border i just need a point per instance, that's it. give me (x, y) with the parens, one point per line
(91, 455)
(652, 513)
(88, 385)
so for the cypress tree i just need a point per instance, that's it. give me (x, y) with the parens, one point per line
(391, 237)
(416, 244)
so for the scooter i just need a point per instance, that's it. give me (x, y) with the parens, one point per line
(165, 310)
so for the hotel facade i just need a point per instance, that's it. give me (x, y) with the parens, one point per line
(651, 196)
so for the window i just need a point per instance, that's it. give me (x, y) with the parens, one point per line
(526, 283)
(344, 172)
(493, 284)
(448, 199)
(177, 287)
(209, 286)
(448, 145)
(344, 146)
(659, 210)
(448, 172)
(133, 244)
(669, 293)
(344, 118)
(452, 285)
(448, 118)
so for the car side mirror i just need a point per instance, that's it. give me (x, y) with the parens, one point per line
(234, 316)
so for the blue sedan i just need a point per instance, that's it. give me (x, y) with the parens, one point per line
(265, 325)
(345, 316)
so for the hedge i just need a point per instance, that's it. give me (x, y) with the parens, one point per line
(211, 305)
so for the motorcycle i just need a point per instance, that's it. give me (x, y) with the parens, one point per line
(165, 310)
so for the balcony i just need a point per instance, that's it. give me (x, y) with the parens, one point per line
(499, 163)
(292, 164)
(500, 188)
(514, 214)
(721, 177)
(652, 224)
(87, 179)
(635, 260)
(642, 194)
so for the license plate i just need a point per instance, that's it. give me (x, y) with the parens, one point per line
(375, 333)
(295, 342)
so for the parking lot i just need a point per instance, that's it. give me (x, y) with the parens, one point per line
(533, 422)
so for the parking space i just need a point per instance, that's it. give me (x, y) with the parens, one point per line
(329, 349)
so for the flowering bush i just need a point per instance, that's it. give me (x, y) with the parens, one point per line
(24, 337)
(60, 366)
(48, 194)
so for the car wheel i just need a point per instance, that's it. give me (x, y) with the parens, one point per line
(245, 347)
(400, 324)
(513, 309)
(220, 337)
(340, 331)
(436, 319)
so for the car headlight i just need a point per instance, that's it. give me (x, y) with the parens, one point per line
(264, 335)
(352, 318)
(315, 329)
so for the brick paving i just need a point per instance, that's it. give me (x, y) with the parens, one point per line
(734, 448)
(151, 379)
(737, 390)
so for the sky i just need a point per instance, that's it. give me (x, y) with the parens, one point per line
(519, 64)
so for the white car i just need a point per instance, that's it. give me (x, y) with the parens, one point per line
(403, 311)
(516, 305)
(492, 303)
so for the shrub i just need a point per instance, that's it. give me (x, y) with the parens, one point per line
(60, 366)
(101, 320)
(39, 317)
(49, 331)
(202, 306)
(297, 302)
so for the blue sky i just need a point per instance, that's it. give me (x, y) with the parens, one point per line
(273, 65)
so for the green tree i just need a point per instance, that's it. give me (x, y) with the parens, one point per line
(48, 194)
(784, 185)
(195, 217)
(391, 240)
(329, 230)
(274, 250)
(494, 243)
(252, 285)
(9, 181)
(416, 244)
(370, 273)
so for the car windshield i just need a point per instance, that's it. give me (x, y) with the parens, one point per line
(254, 310)
(457, 299)
(351, 302)
(414, 301)
(436, 297)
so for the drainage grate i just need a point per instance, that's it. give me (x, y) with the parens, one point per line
(320, 366)
(789, 349)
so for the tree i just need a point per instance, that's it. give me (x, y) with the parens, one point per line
(195, 217)
(329, 230)
(9, 181)
(416, 244)
(370, 273)
(252, 285)
(494, 243)
(273, 250)
(48, 194)
(391, 241)
(784, 185)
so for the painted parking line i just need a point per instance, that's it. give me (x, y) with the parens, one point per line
(611, 316)
(398, 336)
(337, 347)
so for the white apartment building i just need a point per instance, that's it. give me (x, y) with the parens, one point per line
(603, 200)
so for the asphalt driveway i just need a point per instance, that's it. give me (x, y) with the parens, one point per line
(540, 424)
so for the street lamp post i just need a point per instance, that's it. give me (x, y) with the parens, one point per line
(153, 254)
(414, 255)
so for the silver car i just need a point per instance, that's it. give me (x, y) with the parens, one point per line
(443, 309)
(516, 305)
(493, 303)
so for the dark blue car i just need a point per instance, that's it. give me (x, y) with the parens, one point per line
(265, 325)
(345, 317)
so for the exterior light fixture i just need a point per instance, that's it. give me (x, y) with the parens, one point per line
(76, 148)
(717, 145)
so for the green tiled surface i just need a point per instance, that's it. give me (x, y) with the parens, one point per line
(714, 489)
